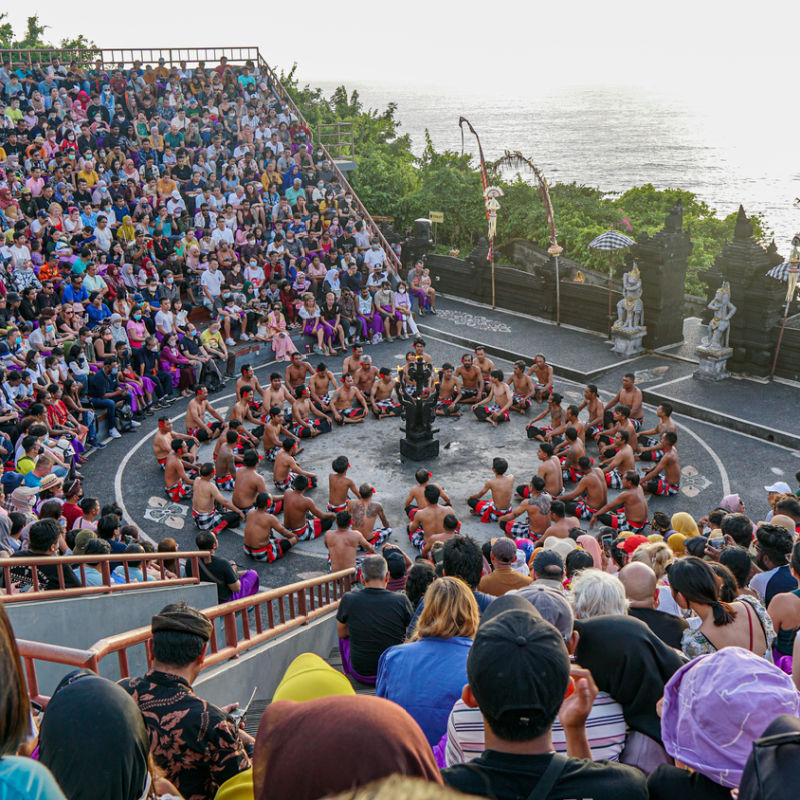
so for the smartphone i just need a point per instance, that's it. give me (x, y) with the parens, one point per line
(606, 540)
(717, 543)
(238, 714)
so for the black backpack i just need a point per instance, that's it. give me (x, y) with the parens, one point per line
(774, 764)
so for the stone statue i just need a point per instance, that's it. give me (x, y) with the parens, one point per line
(419, 409)
(630, 310)
(720, 324)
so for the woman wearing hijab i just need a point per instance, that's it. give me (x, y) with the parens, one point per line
(354, 741)
(426, 676)
(591, 546)
(684, 524)
(733, 504)
(714, 709)
(629, 662)
(94, 740)
(308, 677)
(19, 776)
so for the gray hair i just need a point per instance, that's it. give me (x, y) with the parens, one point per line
(596, 593)
(373, 568)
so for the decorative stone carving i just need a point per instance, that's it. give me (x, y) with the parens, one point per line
(629, 331)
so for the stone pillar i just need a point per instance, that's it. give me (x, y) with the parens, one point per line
(759, 299)
(663, 259)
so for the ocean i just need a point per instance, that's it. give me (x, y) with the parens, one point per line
(724, 150)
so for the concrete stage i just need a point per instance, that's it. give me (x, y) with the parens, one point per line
(727, 451)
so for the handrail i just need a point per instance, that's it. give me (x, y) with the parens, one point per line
(307, 600)
(36, 592)
(126, 56)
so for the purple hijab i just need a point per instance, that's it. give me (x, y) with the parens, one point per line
(718, 705)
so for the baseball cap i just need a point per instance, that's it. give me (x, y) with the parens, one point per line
(504, 550)
(545, 561)
(518, 666)
(632, 542)
(781, 487)
(552, 604)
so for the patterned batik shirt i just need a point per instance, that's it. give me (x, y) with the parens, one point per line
(193, 741)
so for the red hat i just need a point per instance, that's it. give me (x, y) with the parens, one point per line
(632, 542)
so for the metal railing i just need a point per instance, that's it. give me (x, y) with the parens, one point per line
(35, 585)
(112, 57)
(276, 612)
(337, 137)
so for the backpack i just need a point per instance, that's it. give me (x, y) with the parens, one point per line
(211, 378)
(125, 418)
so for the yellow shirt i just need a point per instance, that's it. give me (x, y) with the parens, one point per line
(210, 339)
(91, 178)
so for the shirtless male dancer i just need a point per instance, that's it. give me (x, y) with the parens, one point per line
(351, 364)
(365, 375)
(560, 523)
(275, 431)
(429, 518)
(248, 378)
(419, 350)
(485, 365)
(162, 443)
(591, 492)
(207, 502)
(623, 460)
(242, 410)
(307, 421)
(449, 393)
(249, 483)
(225, 461)
(342, 401)
(177, 484)
(276, 393)
(537, 508)
(196, 417)
(629, 395)
(450, 528)
(570, 420)
(522, 386)
(365, 510)
(501, 487)
(416, 494)
(621, 421)
(654, 438)
(296, 371)
(297, 507)
(381, 400)
(343, 544)
(594, 408)
(494, 408)
(569, 452)
(665, 477)
(549, 469)
(260, 526)
(320, 389)
(544, 377)
(630, 507)
(556, 413)
(340, 484)
(286, 469)
(471, 380)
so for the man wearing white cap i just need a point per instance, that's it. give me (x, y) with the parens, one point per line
(773, 492)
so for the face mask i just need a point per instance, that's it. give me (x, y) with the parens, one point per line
(137, 317)
(18, 340)
(170, 281)
(114, 371)
(253, 264)
(49, 328)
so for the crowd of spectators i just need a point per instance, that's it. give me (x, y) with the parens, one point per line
(585, 665)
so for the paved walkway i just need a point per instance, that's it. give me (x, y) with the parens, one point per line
(767, 410)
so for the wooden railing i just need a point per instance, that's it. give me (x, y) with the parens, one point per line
(13, 568)
(276, 611)
(337, 137)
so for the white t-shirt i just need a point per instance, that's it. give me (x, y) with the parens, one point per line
(165, 321)
(212, 281)
(224, 235)
(104, 237)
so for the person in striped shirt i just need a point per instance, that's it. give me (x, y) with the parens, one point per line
(605, 725)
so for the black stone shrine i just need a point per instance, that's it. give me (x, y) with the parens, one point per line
(419, 411)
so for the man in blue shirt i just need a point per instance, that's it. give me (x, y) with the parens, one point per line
(105, 393)
(75, 291)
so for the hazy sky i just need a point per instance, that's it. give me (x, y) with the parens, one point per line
(515, 46)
